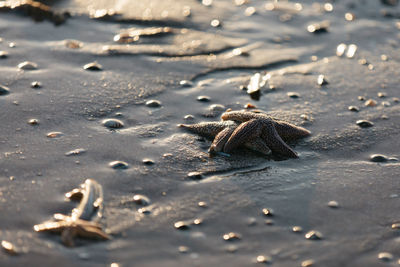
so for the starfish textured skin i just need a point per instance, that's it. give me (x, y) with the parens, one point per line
(83, 220)
(220, 132)
(273, 132)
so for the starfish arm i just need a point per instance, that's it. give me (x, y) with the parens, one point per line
(241, 116)
(220, 140)
(289, 131)
(51, 226)
(274, 141)
(246, 131)
(258, 145)
(207, 129)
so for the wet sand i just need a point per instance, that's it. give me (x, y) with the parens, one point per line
(333, 165)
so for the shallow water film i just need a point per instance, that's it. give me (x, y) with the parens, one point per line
(100, 164)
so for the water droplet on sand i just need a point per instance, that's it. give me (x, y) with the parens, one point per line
(118, 165)
(36, 85)
(112, 123)
(364, 123)
(153, 103)
(181, 225)
(93, 66)
(27, 65)
(385, 256)
(313, 235)
(4, 90)
(231, 236)
(141, 200)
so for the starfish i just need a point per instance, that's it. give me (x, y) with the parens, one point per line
(259, 125)
(220, 131)
(83, 219)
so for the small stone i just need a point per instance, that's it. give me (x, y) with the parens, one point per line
(148, 161)
(378, 158)
(361, 98)
(33, 121)
(353, 108)
(370, 103)
(333, 204)
(320, 27)
(249, 106)
(313, 235)
(181, 225)
(349, 16)
(202, 204)
(396, 226)
(362, 61)
(36, 85)
(269, 222)
(305, 117)
(322, 80)
(216, 108)
(189, 117)
(4, 90)
(231, 236)
(215, 23)
(153, 103)
(112, 123)
(385, 256)
(93, 66)
(27, 65)
(144, 210)
(3, 54)
(307, 263)
(351, 51)
(8, 247)
(268, 212)
(203, 98)
(381, 94)
(263, 259)
(386, 103)
(293, 95)
(195, 175)
(340, 49)
(141, 200)
(118, 165)
(75, 152)
(73, 44)
(183, 249)
(54, 134)
(186, 83)
(364, 123)
(297, 229)
(197, 221)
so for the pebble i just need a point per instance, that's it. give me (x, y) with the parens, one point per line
(340, 49)
(361, 98)
(381, 94)
(33, 121)
(27, 65)
(189, 117)
(297, 229)
(268, 212)
(320, 27)
(8, 247)
(307, 263)
(54, 134)
(231, 236)
(93, 66)
(378, 158)
(36, 84)
(118, 165)
(3, 54)
(269, 222)
(112, 123)
(370, 103)
(148, 161)
(202, 204)
(141, 200)
(386, 103)
(351, 51)
(385, 256)
(203, 98)
(183, 249)
(75, 152)
(263, 259)
(197, 221)
(364, 123)
(293, 95)
(322, 80)
(181, 225)
(396, 226)
(144, 210)
(153, 103)
(215, 23)
(313, 235)
(195, 175)
(353, 108)
(186, 83)
(333, 204)
(4, 90)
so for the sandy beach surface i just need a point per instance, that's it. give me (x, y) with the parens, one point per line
(196, 58)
